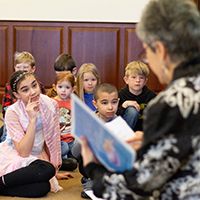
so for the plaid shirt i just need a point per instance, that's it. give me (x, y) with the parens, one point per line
(9, 98)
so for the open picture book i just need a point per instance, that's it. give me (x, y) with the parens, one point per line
(108, 147)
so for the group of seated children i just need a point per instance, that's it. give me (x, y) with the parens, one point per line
(167, 164)
(104, 99)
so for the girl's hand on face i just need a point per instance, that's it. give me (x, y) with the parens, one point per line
(32, 108)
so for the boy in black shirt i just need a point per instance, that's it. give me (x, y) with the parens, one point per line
(135, 96)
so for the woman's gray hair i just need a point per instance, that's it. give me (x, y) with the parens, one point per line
(176, 23)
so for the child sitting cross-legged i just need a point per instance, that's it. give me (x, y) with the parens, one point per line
(30, 155)
(64, 86)
(106, 103)
(136, 95)
(87, 80)
(63, 62)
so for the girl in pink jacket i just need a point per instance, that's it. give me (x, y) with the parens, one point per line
(30, 156)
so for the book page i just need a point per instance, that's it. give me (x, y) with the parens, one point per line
(91, 195)
(120, 128)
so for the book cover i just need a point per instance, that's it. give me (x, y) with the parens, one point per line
(112, 152)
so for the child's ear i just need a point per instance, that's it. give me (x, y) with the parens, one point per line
(74, 71)
(73, 88)
(126, 79)
(33, 69)
(146, 79)
(94, 103)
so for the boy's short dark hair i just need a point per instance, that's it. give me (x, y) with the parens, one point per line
(104, 87)
(64, 62)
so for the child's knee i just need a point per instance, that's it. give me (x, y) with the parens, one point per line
(132, 111)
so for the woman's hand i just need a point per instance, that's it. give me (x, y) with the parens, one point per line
(136, 141)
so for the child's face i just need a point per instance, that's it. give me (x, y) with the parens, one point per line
(135, 82)
(64, 89)
(107, 104)
(89, 82)
(28, 89)
(24, 67)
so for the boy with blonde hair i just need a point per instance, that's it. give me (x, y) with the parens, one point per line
(22, 61)
(135, 96)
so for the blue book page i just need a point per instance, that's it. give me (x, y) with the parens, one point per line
(111, 152)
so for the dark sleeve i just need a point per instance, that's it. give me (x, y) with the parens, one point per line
(152, 94)
(165, 148)
(148, 94)
(106, 184)
(121, 110)
(96, 172)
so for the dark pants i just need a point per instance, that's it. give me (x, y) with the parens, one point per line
(30, 181)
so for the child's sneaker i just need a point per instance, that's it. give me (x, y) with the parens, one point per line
(84, 180)
(69, 164)
(84, 195)
(87, 185)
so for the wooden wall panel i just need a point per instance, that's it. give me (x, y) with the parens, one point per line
(3, 54)
(98, 46)
(133, 46)
(3, 57)
(42, 42)
(110, 46)
(135, 51)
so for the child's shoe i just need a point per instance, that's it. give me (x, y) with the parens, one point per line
(69, 164)
(87, 185)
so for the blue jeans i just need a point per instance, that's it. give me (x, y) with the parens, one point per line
(131, 116)
(65, 149)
